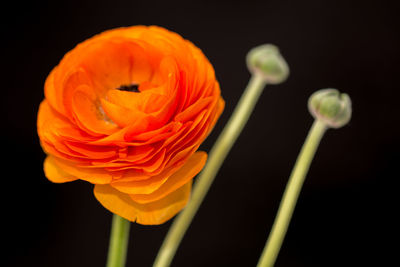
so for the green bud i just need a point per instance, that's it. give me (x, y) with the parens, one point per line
(331, 107)
(266, 61)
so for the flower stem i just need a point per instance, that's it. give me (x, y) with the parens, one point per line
(118, 242)
(218, 154)
(291, 195)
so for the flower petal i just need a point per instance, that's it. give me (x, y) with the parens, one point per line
(89, 116)
(192, 167)
(54, 173)
(153, 213)
(134, 186)
(92, 175)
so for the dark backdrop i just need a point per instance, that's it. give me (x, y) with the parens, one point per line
(344, 216)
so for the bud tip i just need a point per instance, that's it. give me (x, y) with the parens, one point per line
(331, 107)
(266, 61)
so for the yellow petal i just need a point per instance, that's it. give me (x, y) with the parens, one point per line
(54, 173)
(153, 213)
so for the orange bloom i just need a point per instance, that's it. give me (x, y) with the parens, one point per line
(126, 110)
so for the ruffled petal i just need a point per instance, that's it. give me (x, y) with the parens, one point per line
(90, 174)
(190, 169)
(153, 213)
(54, 173)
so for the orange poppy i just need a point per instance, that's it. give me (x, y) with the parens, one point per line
(126, 110)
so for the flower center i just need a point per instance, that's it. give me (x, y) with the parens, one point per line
(129, 88)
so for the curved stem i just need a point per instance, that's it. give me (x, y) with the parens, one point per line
(292, 191)
(118, 242)
(218, 154)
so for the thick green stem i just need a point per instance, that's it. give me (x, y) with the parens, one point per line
(289, 199)
(217, 155)
(118, 242)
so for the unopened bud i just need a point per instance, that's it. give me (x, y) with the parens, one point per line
(266, 61)
(331, 107)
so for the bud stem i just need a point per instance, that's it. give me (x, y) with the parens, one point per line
(217, 156)
(291, 194)
(119, 238)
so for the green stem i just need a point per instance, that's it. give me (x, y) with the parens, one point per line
(118, 242)
(218, 154)
(291, 195)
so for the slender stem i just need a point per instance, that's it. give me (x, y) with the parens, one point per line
(118, 242)
(218, 154)
(291, 195)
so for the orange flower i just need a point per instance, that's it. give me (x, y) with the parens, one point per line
(126, 110)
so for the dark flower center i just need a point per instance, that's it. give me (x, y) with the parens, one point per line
(129, 88)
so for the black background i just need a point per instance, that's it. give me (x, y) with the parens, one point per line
(345, 214)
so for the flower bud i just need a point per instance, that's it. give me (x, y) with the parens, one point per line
(331, 107)
(266, 61)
